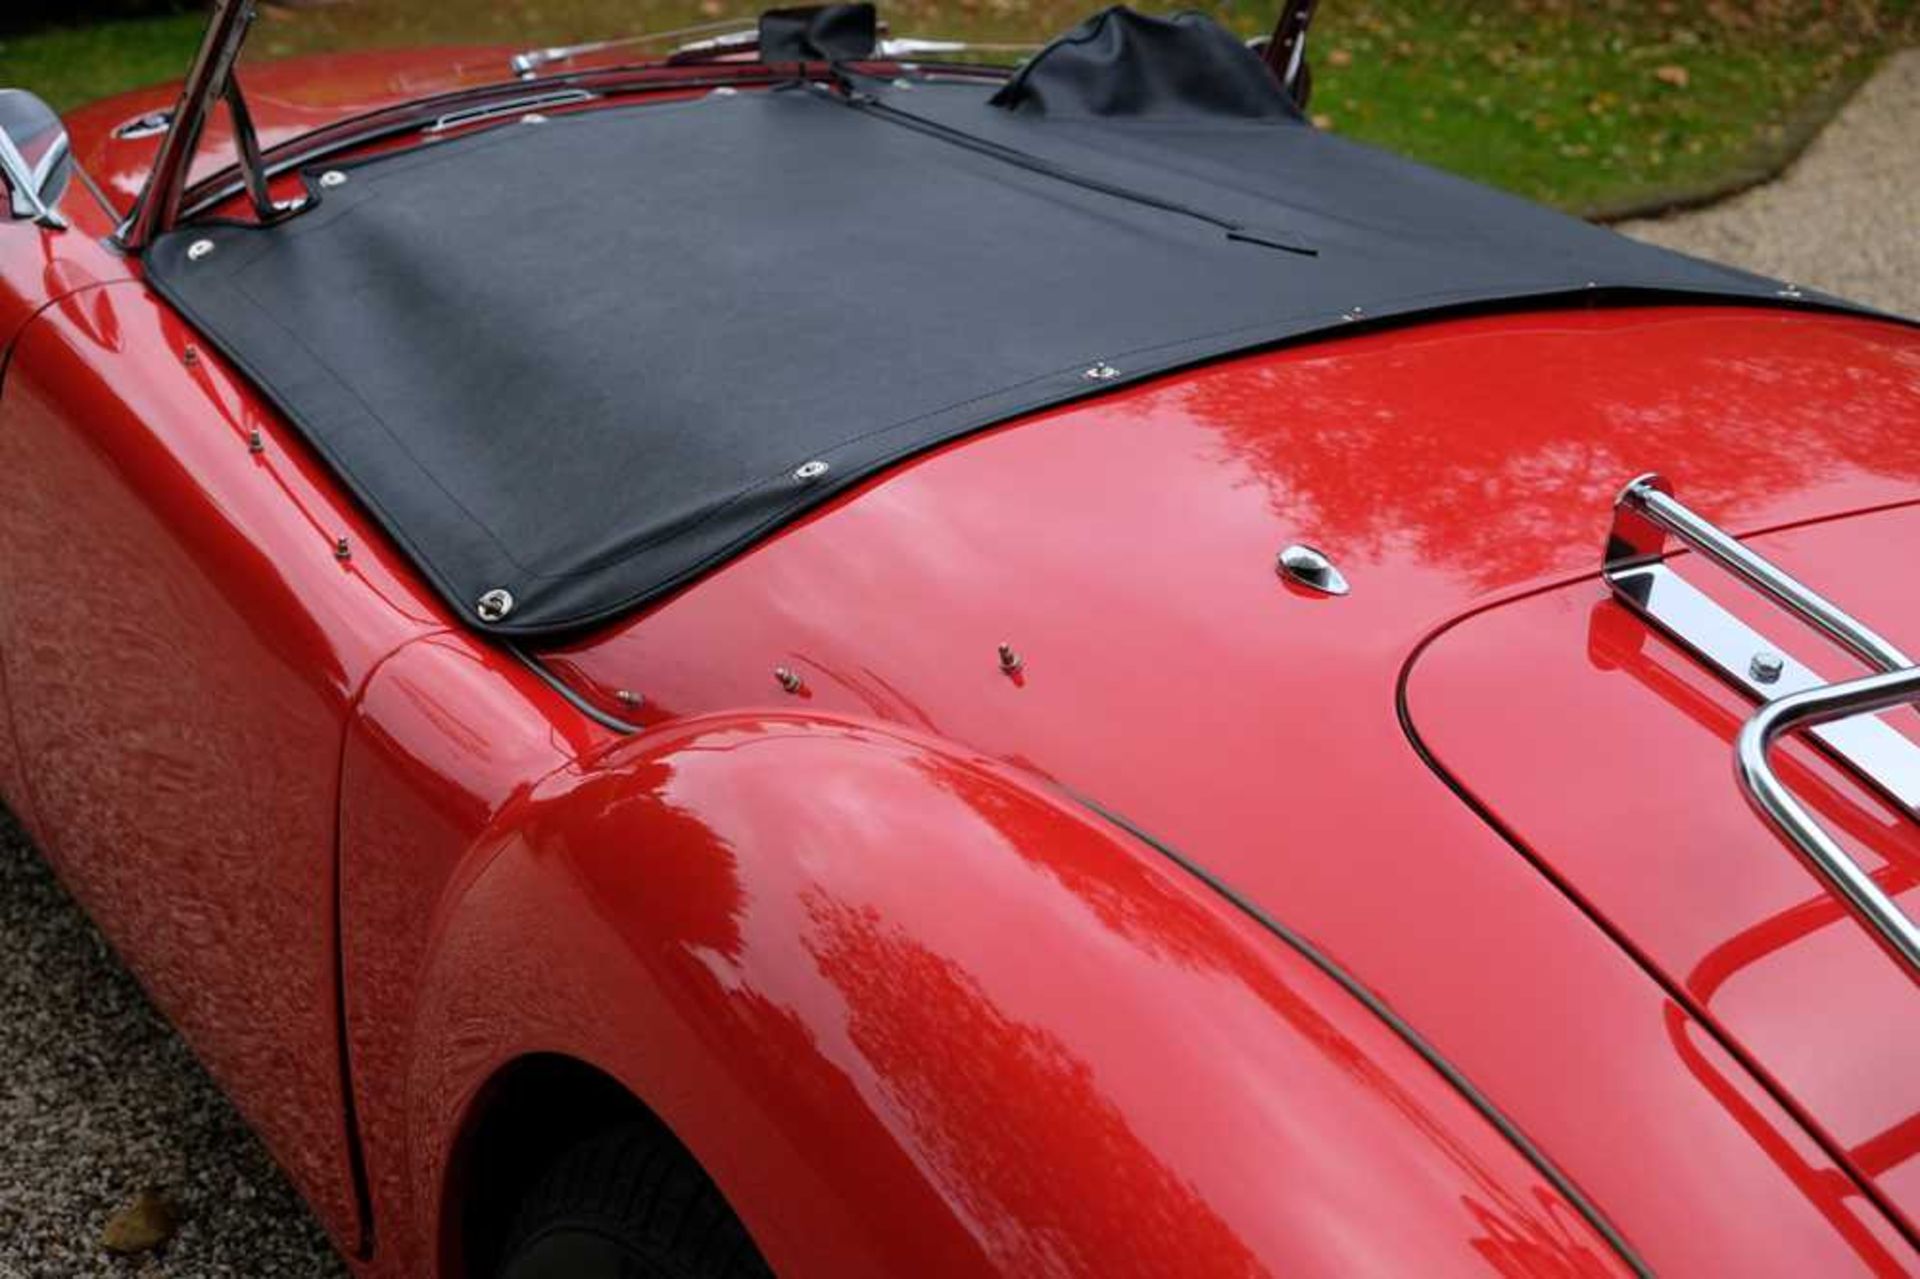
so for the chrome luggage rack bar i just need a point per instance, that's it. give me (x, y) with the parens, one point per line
(1841, 715)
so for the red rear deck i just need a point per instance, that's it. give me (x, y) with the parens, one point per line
(1613, 766)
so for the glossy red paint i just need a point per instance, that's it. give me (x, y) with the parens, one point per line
(41, 268)
(917, 1008)
(1125, 548)
(893, 997)
(180, 648)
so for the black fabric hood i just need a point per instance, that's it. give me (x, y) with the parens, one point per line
(1124, 64)
(818, 33)
(570, 365)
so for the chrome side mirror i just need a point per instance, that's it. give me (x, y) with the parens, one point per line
(35, 161)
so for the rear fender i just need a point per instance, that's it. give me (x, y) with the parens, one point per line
(918, 1014)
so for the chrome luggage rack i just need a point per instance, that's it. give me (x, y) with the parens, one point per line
(1842, 716)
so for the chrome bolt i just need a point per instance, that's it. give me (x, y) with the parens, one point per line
(1101, 372)
(1010, 661)
(788, 680)
(342, 549)
(807, 472)
(256, 444)
(1310, 567)
(494, 605)
(1766, 668)
(333, 178)
(199, 249)
(626, 697)
(190, 355)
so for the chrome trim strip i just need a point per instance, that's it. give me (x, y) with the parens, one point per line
(526, 64)
(1770, 797)
(510, 107)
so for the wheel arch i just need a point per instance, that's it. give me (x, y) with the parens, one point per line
(528, 1112)
(915, 1011)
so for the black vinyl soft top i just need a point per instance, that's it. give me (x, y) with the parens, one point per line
(583, 361)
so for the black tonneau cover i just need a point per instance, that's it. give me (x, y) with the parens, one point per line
(582, 361)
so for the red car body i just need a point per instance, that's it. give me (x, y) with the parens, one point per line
(1239, 929)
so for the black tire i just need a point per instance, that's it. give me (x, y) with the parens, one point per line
(630, 1204)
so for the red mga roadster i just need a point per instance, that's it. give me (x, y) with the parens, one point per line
(792, 652)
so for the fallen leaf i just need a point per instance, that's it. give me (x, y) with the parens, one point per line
(1340, 58)
(1674, 75)
(1322, 121)
(141, 1225)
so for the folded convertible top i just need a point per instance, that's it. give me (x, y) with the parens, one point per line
(581, 362)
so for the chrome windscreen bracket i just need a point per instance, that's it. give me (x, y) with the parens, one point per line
(210, 80)
(1842, 717)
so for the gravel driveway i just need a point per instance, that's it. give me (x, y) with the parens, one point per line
(98, 1098)
(1846, 216)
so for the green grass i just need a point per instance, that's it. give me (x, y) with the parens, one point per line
(1591, 105)
(1596, 107)
(71, 65)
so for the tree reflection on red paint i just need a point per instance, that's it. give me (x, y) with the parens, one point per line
(1012, 1122)
(1398, 443)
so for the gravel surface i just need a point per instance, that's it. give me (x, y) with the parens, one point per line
(1845, 217)
(99, 1100)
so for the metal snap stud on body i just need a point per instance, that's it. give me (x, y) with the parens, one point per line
(1766, 668)
(807, 472)
(333, 178)
(199, 249)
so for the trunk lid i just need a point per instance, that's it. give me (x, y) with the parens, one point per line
(1605, 749)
